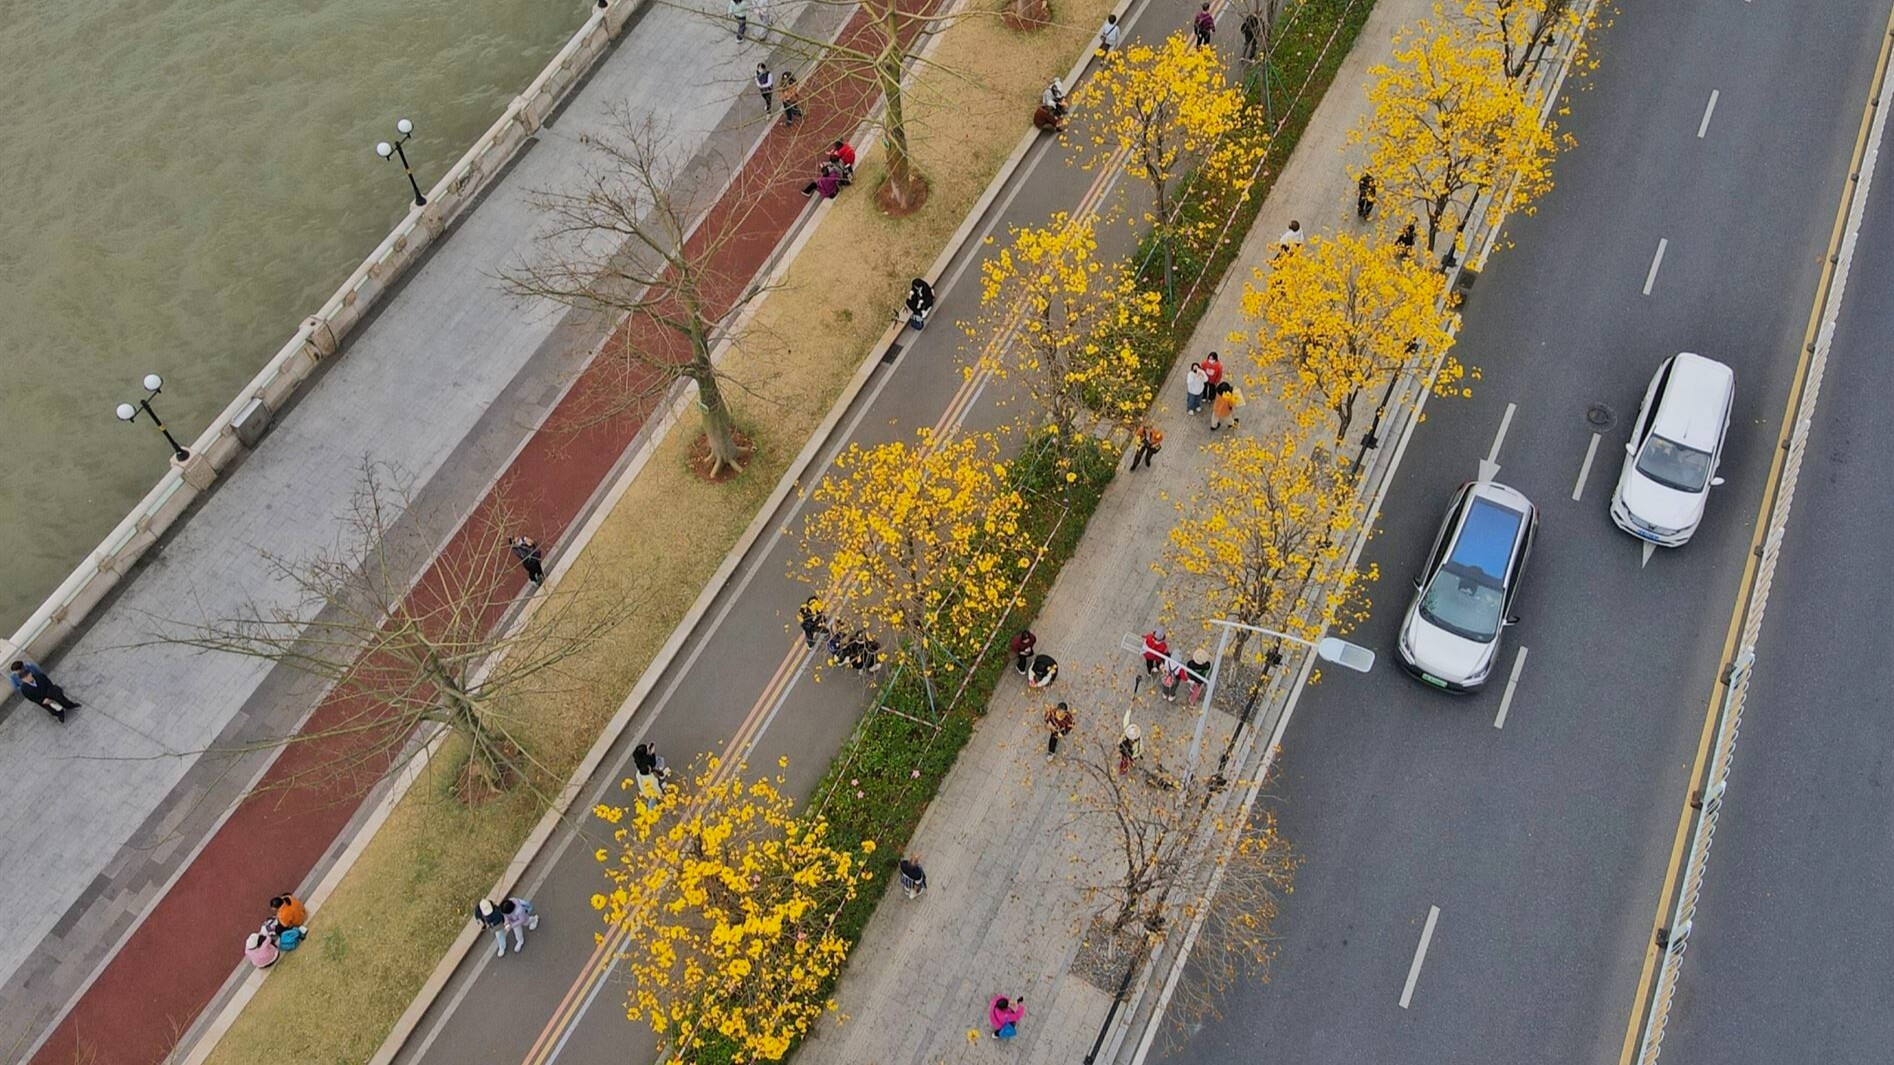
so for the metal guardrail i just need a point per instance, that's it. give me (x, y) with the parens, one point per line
(1674, 937)
(320, 336)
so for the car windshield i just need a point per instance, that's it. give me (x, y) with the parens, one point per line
(1464, 602)
(1672, 464)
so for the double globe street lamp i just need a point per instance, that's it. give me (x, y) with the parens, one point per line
(128, 413)
(394, 150)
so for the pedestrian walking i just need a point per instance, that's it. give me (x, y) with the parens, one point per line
(1252, 29)
(1203, 25)
(1404, 244)
(1156, 650)
(740, 11)
(828, 182)
(913, 877)
(1195, 381)
(870, 661)
(847, 649)
(1110, 35)
(1130, 746)
(1291, 238)
(1199, 666)
(517, 915)
(1212, 370)
(1059, 724)
(32, 682)
(766, 86)
(811, 619)
(1004, 1014)
(494, 921)
(1150, 440)
(1022, 645)
(1365, 189)
(289, 910)
(1043, 671)
(1223, 406)
(792, 98)
(842, 159)
(1170, 675)
(763, 16)
(650, 770)
(532, 559)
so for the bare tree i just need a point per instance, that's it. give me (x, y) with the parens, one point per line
(400, 657)
(640, 241)
(1228, 881)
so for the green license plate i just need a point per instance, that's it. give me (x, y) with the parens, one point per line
(1433, 680)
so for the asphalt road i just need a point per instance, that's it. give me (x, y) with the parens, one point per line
(1543, 843)
(744, 674)
(1792, 953)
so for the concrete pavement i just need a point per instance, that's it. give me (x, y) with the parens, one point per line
(103, 813)
(1543, 842)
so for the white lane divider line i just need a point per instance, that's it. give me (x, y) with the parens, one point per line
(1584, 470)
(1489, 466)
(1656, 261)
(1708, 110)
(1420, 955)
(1506, 700)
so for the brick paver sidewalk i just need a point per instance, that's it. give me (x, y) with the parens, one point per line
(1013, 863)
(78, 873)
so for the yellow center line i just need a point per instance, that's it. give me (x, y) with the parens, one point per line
(1634, 1026)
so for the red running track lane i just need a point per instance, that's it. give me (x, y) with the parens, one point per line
(173, 964)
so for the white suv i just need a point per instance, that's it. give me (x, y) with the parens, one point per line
(1676, 443)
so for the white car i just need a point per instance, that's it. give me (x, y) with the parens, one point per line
(1676, 443)
(1464, 596)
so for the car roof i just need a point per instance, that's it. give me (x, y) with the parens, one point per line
(1692, 410)
(1490, 530)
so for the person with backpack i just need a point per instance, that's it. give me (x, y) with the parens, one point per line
(1203, 25)
(1004, 1014)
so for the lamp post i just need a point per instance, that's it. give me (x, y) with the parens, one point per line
(129, 413)
(1328, 649)
(387, 150)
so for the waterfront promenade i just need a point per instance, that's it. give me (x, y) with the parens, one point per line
(446, 385)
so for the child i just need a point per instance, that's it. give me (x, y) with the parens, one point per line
(1004, 1014)
(913, 877)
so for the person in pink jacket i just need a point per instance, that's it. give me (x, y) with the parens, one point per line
(1004, 1014)
(259, 951)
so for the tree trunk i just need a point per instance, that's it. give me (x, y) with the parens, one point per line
(720, 428)
(905, 189)
(1164, 232)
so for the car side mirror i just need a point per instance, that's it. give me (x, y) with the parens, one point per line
(1714, 481)
(1630, 449)
(1513, 619)
(1417, 584)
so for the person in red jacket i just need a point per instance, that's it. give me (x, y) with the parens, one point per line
(1022, 646)
(842, 158)
(1156, 650)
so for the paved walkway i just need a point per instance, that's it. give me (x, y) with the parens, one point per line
(1013, 861)
(102, 814)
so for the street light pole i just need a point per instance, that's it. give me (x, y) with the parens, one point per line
(385, 149)
(1329, 649)
(128, 413)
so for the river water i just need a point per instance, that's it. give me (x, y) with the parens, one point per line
(181, 182)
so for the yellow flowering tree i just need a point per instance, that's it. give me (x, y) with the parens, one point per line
(1448, 125)
(922, 540)
(1158, 107)
(1344, 315)
(1268, 534)
(722, 904)
(1523, 29)
(1062, 323)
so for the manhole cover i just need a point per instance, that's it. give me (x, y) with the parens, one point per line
(1599, 418)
